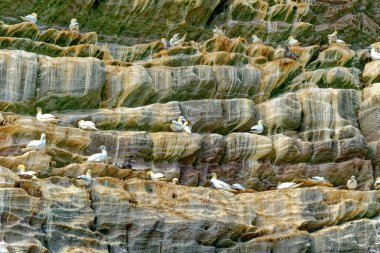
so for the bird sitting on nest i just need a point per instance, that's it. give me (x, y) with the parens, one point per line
(256, 39)
(86, 178)
(293, 42)
(181, 125)
(175, 181)
(375, 56)
(287, 185)
(218, 184)
(87, 125)
(333, 38)
(176, 41)
(38, 144)
(99, 157)
(46, 117)
(155, 176)
(32, 18)
(25, 174)
(377, 183)
(259, 128)
(352, 184)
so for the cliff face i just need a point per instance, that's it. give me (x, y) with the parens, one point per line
(320, 109)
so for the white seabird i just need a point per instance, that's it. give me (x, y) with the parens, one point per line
(287, 185)
(48, 118)
(180, 125)
(256, 39)
(164, 41)
(99, 157)
(352, 184)
(86, 178)
(37, 144)
(374, 55)
(377, 183)
(74, 25)
(238, 187)
(259, 128)
(293, 42)
(21, 172)
(318, 179)
(218, 32)
(218, 184)
(334, 39)
(30, 18)
(155, 176)
(176, 41)
(175, 181)
(87, 125)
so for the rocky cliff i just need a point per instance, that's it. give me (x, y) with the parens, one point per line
(320, 110)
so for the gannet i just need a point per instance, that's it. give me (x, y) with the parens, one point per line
(21, 172)
(175, 181)
(178, 125)
(30, 18)
(256, 39)
(293, 42)
(290, 54)
(176, 41)
(87, 125)
(218, 184)
(218, 32)
(352, 184)
(377, 183)
(155, 176)
(99, 157)
(86, 178)
(334, 39)
(238, 187)
(48, 118)
(318, 179)
(74, 25)
(259, 128)
(38, 144)
(163, 40)
(279, 52)
(187, 126)
(287, 185)
(374, 55)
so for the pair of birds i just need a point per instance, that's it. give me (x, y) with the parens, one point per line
(159, 177)
(50, 118)
(181, 125)
(333, 38)
(174, 41)
(32, 18)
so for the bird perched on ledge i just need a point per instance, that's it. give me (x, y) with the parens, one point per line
(259, 128)
(25, 174)
(256, 39)
(374, 55)
(290, 54)
(218, 184)
(46, 117)
(87, 125)
(37, 144)
(155, 176)
(352, 184)
(287, 185)
(74, 25)
(293, 42)
(333, 38)
(32, 18)
(86, 178)
(176, 41)
(99, 157)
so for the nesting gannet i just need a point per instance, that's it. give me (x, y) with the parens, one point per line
(175, 181)
(48, 118)
(287, 185)
(99, 157)
(238, 187)
(218, 184)
(377, 183)
(179, 125)
(22, 173)
(374, 55)
(187, 126)
(87, 125)
(176, 41)
(38, 144)
(259, 128)
(293, 42)
(74, 25)
(318, 179)
(256, 39)
(30, 18)
(290, 54)
(333, 38)
(86, 178)
(155, 176)
(352, 184)
(218, 32)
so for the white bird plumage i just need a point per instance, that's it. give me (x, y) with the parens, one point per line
(318, 179)
(287, 185)
(30, 18)
(238, 187)
(181, 125)
(155, 176)
(99, 157)
(176, 41)
(333, 38)
(21, 171)
(175, 181)
(377, 183)
(87, 125)
(352, 184)
(374, 55)
(293, 42)
(38, 144)
(48, 118)
(218, 32)
(74, 25)
(259, 128)
(256, 39)
(86, 178)
(218, 184)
